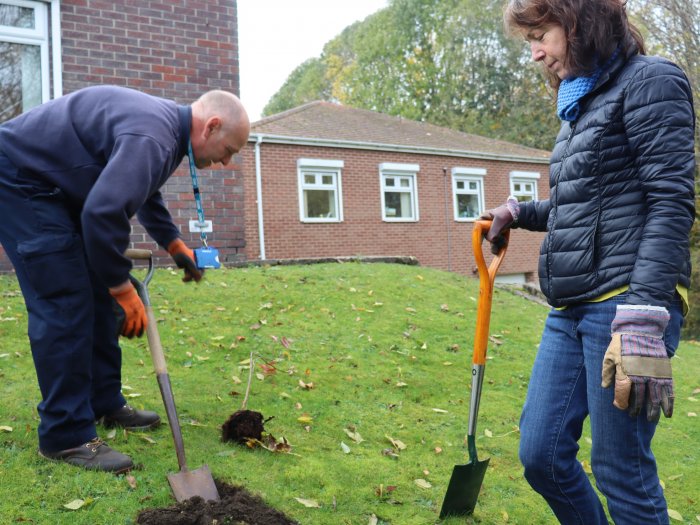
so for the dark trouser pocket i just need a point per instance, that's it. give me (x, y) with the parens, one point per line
(55, 264)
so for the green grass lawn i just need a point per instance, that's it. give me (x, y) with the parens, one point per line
(367, 375)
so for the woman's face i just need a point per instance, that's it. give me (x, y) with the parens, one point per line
(548, 45)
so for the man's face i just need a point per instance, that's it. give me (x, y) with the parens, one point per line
(218, 144)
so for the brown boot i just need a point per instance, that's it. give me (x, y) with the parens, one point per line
(93, 455)
(131, 419)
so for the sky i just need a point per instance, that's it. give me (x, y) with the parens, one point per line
(276, 36)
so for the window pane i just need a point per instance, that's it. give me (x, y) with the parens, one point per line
(20, 79)
(398, 205)
(319, 204)
(467, 206)
(328, 180)
(309, 179)
(16, 16)
(460, 184)
(389, 181)
(472, 185)
(405, 183)
(524, 198)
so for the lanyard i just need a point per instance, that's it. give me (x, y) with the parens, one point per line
(197, 196)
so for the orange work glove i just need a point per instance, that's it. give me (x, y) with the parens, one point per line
(130, 312)
(184, 258)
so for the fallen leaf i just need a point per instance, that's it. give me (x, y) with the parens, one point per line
(355, 436)
(586, 467)
(505, 516)
(692, 414)
(373, 520)
(488, 433)
(675, 515)
(696, 391)
(147, 439)
(112, 434)
(398, 444)
(131, 480)
(345, 448)
(439, 410)
(306, 386)
(401, 384)
(305, 418)
(309, 503)
(4, 428)
(693, 399)
(422, 483)
(438, 450)
(390, 452)
(236, 380)
(78, 503)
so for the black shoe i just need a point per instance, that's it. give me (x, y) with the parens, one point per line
(93, 455)
(131, 419)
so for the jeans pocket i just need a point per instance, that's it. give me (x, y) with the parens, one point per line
(54, 264)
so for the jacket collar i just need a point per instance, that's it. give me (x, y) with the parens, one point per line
(185, 117)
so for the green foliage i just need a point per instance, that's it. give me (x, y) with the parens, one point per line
(306, 84)
(381, 345)
(446, 62)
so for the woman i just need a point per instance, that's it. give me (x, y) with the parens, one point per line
(615, 261)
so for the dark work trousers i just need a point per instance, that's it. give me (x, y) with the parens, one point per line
(71, 325)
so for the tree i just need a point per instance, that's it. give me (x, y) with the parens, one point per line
(447, 62)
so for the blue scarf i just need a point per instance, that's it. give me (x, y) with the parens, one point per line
(572, 90)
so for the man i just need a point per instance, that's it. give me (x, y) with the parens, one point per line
(73, 172)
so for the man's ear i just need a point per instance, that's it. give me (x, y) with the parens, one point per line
(212, 124)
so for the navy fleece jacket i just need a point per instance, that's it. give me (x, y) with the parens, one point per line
(109, 149)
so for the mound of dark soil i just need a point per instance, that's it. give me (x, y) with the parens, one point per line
(242, 426)
(236, 507)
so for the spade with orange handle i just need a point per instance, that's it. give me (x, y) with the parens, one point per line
(465, 483)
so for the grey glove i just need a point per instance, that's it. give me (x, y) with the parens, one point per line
(637, 361)
(501, 219)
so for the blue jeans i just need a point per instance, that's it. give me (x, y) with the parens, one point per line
(564, 389)
(71, 325)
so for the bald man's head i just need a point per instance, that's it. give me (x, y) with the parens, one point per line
(220, 127)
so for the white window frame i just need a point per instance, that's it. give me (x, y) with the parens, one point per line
(323, 167)
(528, 177)
(467, 175)
(38, 36)
(400, 170)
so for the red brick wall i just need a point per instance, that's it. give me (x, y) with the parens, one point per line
(178, 50)
(436, 240)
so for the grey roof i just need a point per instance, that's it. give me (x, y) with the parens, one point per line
(329, 123)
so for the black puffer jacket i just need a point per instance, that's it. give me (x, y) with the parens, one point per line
(621, 189)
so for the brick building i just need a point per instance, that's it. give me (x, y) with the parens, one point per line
(324, 180)
(176, 49)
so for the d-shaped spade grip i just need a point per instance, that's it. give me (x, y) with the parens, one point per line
(487, 276)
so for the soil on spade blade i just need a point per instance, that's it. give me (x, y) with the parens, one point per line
(236, 507)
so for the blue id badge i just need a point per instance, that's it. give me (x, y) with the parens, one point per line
(207, 257)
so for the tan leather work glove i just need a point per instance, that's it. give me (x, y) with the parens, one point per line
(637, 362)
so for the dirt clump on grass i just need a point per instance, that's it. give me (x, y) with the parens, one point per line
(237, 506)
(243, 425)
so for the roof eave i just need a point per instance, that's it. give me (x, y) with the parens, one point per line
(423, 150)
